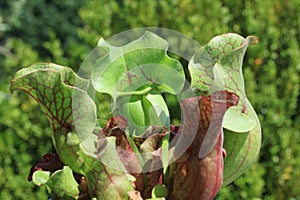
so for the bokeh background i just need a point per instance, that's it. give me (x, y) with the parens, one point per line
(64, 32)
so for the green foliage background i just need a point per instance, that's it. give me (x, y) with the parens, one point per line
(65, 31)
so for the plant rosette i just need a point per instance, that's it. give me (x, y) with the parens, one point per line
(141, 151)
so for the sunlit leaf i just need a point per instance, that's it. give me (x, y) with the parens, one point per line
(194, 177)
(40, 177)
(135, 76)
(63, 185)
(218, 66)
(143, 60)
(52, 87)
(60, 184)
(141, 112)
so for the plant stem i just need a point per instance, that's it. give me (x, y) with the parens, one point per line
(140, 92)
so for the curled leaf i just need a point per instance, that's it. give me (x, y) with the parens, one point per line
(216, 67)
(143, 60)
(61, 184)
(134, 75)
(52, 86)
(201, 177)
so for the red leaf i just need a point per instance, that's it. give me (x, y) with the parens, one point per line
(201, 177)
(115, 127)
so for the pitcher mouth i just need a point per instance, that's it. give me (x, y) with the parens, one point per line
(225, 97)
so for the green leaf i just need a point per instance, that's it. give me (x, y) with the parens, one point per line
(40, 177)
(52, 86)
(63, 185)
(218, 66)
(104, 182)
(158, 109)
(242, 123)
(141, 112)
(141, 61)
(242, 149)
(159, 191)
(135, 75)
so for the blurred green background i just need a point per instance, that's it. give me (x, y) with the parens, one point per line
(64, 32)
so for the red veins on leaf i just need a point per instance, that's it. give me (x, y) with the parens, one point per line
(201, 178)
(115, 127)
(148, 142)
(195, 177)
